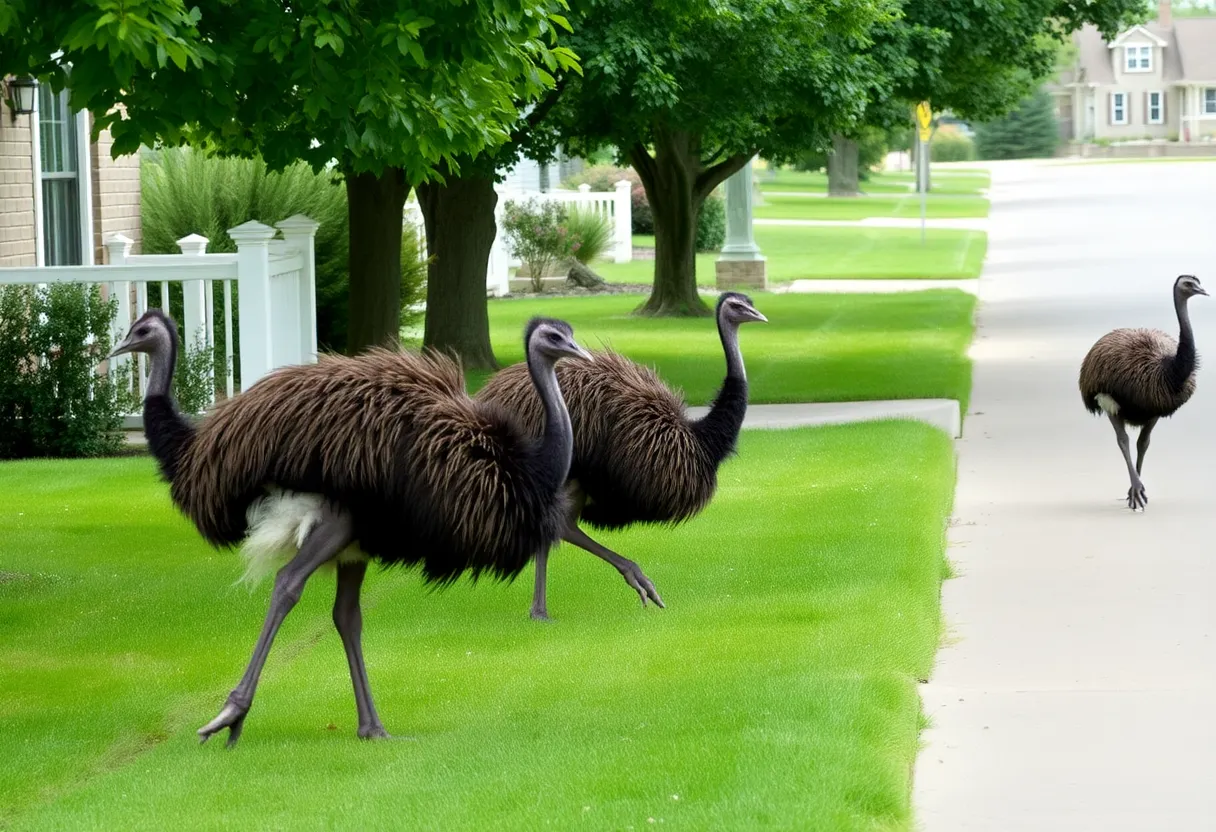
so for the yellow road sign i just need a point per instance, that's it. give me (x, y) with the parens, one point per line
(924, 118)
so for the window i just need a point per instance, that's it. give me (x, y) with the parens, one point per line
(61, 189)
(1138, 58)
(1118, 108)
(1156, 108)
(1209, 102)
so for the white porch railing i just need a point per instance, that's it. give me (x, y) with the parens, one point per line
(276, 297)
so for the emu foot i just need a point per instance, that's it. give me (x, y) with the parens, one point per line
(1136, 497)
(231, 717)
(641, 584)
(373, 732)
(540, 614)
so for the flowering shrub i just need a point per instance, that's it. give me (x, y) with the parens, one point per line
(538, 235)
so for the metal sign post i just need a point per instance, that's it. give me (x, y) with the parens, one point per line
(924, 118)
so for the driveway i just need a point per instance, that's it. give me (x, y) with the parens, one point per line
(1077, 687)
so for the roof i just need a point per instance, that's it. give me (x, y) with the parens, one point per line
(1190, 51)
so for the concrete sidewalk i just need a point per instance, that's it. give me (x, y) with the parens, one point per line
(1077, 689)
(959, 223)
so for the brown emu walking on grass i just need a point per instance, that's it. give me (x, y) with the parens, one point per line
(382, 456)
(1137, 376)
(638, 458)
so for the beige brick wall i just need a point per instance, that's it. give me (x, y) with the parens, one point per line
(115, 196)
(16, 190)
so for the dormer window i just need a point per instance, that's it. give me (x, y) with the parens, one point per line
(1138, 58)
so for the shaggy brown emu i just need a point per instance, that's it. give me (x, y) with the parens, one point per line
(637, 456)
(1137, 376)
(382, 456)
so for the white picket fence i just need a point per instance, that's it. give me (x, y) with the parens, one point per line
(276, 292)
(615, 206)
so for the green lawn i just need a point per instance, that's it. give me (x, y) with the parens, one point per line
(810, 252)
(959, 181)
(829, 347)
(778, 690)
(781, 207)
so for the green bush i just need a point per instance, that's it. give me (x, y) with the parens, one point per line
(951, 147)
(537, 233)
(591, 233)
(711, 224)
(1030, 131)
(189, 192)
(52, 400)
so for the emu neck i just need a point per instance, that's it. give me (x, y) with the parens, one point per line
(1184, 360)
(729, 333)
(557, 443)
(163, 360)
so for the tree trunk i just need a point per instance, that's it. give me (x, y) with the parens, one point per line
(375, 204)
(843, 162)
(670, 182)
(460, 231)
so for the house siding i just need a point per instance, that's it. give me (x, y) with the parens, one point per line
(116, 196)
(17, 224)
(1136, 86)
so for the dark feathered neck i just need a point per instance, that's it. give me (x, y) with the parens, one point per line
(718, 431)
(1185, 360)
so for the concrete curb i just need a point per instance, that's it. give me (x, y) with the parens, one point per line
(942, 414)
(810, 287)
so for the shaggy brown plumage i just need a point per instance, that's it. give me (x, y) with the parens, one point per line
(1139, 370)
(427, 474)
(636, 454)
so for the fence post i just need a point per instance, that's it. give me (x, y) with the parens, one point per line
(498, 276)
(194, 295)
(622, 221)
(300, 232)
(253, 286)
(118, 248)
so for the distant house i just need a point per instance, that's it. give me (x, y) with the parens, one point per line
(60, 192)
(1157, 81)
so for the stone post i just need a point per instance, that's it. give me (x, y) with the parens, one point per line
(740, 265)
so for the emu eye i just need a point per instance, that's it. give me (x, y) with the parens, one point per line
(554, 337)
(142, 331)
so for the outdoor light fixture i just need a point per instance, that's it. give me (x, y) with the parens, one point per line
(20, 94)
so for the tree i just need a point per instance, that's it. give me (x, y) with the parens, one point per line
(392, 94)
(977, 58)
(690, 91)
(1030, 131)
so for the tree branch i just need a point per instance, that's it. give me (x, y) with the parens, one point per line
(643, 163)
(712, 177)
(540, 111)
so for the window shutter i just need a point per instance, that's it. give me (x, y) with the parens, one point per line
(1164, 95)
(1127, 108)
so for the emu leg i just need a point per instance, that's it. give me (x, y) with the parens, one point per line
(348, 618)
(540, 600)
(1136, 497)
(629, 570)
(1142, 444)
(324, 542)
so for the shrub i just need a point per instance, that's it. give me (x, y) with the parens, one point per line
(537, 233)
(643, 217)
(951, 147)
(711, 224)
(188, 192)
(52, 400)
(1030, 131)
(591, 232)
(601, 177)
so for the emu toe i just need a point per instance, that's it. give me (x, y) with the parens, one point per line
(540, 614)
(373, 732)
(641, 584)
(231, 717)
(1136, 497)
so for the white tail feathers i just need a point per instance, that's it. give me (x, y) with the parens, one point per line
(1108, 404)
(279, 523)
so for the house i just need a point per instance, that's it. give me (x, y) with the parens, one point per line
(60, 192)
(1154, 81)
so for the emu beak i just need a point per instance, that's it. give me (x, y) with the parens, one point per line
(122, 349)
(757, 315)
(1202, 291)
(583, 354)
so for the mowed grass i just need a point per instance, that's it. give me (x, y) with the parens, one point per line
(778, 690)
(835, 252)
(777, 206)
(957, 181)
(830, 347)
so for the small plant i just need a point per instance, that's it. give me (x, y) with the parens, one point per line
(538, 236)
(592, 234)
(52, 400)
(951, 147)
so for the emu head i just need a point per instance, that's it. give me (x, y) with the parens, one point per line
(1187, 286)
(736, 308)
(154, 334)
(551, 339)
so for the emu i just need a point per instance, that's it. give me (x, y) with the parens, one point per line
(1138, 376)
(383, 456)
(638, 458)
